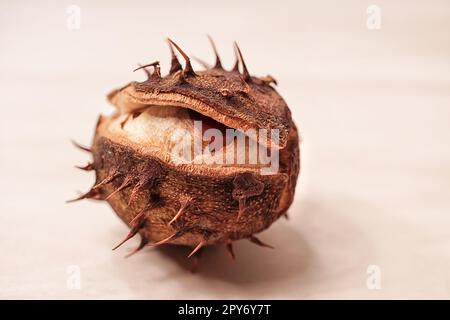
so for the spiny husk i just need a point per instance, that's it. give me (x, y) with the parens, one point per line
(192, 204)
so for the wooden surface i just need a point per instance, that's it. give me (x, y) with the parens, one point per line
(373, 108)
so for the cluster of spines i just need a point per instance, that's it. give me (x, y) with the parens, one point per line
(188, 70)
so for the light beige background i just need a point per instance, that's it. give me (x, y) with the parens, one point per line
(373, 107)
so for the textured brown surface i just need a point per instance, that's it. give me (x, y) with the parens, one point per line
(211, 214)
